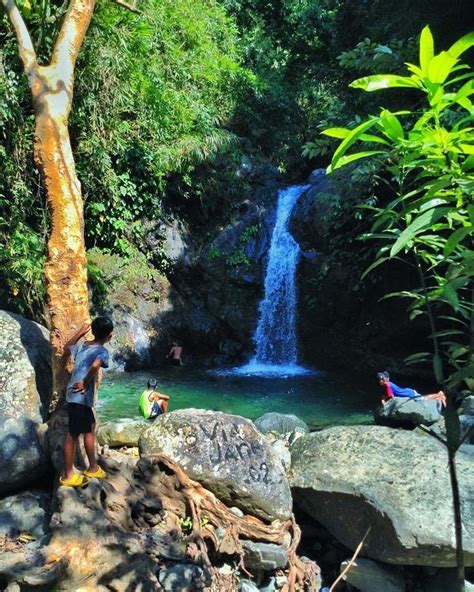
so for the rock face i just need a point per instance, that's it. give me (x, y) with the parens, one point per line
(408, 412)
(308, 219)
(28, 512)
(467, 406)
(25, 387)
(350, 478)
(369, 576)
(121, 432)
(280, 423)
(227, 455)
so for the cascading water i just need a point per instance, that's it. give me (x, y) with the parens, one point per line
(276, 351)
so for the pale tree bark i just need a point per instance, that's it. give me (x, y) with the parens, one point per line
(52, 91)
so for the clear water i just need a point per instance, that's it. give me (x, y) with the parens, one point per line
(320, 400)
(275, 336)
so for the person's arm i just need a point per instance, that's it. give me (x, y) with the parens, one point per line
(81, 385)
(162, 396)
(83, 329)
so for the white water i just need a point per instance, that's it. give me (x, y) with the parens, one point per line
(276, 350)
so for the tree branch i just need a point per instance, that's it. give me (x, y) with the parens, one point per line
(71, 37)
(25, 45)
(132, 7)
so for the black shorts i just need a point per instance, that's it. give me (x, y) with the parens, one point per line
(81, 419)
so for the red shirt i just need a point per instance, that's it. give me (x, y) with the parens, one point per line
(388, 390)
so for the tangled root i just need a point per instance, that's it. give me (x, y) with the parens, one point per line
(160, 476)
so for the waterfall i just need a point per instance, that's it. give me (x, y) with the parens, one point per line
(276, 350)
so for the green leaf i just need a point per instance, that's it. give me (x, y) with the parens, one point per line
(343, 132)
(452, 297)
(421, 222)
(421, 356)
(391, 125)
(456, 237)
(336, 132)
(461, 45)
(381, 81)
(426, 49)
(351, 158)
(352, 137)
(438, 368)
(440, 67)
(373, 266)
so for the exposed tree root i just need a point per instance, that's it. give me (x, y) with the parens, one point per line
(181, 496)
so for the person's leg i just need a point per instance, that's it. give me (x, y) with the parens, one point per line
(69, 453)
(164, 405)
(439, 396)
(89, 445)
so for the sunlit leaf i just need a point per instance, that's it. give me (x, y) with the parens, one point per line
(421, 222)
(382, 81)
(426, 49)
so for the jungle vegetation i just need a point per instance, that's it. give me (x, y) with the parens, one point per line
(171, 102)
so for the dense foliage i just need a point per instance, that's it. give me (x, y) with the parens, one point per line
(172, 104)
(427, 157)
(153, 94)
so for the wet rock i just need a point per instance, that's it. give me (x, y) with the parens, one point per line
(25, 387)
(310, 215)
(28, 512)
(408, 412)
(467, 406)
(370, 576)
(280, 423)
(467, 428)
(121, 432)
(264, 556)
(350, 477)
(227, 455)
(247, 586)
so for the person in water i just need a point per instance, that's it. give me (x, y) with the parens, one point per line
(152, 403)
(392, 390)
(175, 353)
(89, 359)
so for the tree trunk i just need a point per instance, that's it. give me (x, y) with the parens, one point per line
(65, 269)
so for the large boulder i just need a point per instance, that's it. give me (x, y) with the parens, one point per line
(396, 482)
(28, 512)
(283, 424)
(399, 412)
(121, 432)
(227, 455)
(25, 387)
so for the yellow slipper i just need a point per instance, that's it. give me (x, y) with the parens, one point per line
(98, 474)
(75, 480)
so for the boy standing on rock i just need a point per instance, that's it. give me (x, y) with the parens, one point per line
(89, 358)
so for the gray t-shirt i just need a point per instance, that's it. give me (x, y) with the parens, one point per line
(84, 356)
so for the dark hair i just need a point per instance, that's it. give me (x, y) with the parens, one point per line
(152, 383)
(101, 327)
(383, 375)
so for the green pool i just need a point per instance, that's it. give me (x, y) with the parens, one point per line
(320, 400)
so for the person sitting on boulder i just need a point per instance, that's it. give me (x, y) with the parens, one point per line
(175, 353)
(152, 403)
(392, 390)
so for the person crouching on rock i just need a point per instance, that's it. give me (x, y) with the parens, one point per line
(89, 358)
(392, 390)
(152, 403)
